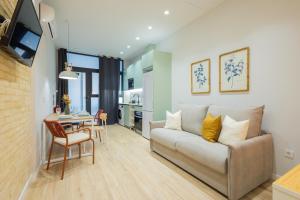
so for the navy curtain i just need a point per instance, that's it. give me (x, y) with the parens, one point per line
(62, 85)
(109, 87)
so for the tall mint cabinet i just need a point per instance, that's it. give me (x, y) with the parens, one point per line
(156, 66)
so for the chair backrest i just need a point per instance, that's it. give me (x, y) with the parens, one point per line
(97, 116)
(103, 118)
(56, 129)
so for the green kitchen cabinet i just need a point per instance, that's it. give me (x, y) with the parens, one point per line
(160, 63)
(126, 116)
(158, 82)
(135, 71)
(138, 75)
(148, 59)
(162, 68)
(130, 71)
(125, 80)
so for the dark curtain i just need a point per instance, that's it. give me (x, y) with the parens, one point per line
(109, 87)
(62, 85)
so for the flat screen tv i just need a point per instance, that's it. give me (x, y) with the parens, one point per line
(23, 34)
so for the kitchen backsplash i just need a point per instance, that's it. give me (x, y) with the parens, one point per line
(133, 96)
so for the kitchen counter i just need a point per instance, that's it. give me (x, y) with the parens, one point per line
(129, 112)
(131, 104)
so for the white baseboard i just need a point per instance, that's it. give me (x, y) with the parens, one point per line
(275, 176)
(28, 182)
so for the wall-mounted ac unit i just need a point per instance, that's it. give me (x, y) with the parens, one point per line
(47, 19)
(51, 29)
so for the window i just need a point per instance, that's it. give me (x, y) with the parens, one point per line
(95, 83)
(83, 61)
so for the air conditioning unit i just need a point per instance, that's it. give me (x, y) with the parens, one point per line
(47, 19)
(51, 29)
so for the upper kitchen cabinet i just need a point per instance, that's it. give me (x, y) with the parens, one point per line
(130, 71)
(147, 59)
(135, 72)
(159, 62)
(138, 75)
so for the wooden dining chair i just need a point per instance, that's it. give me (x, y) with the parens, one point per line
(67, 139)
(99, 123)
(102, 127)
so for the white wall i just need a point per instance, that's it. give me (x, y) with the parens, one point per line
(271, 28)
(44, 84)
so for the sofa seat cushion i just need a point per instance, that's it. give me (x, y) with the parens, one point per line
(167, 137)
(212, 155)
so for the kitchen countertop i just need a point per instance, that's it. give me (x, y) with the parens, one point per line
(131, 104)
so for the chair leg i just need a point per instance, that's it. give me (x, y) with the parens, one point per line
(63, 169)
(100, 136)
(105, 129)
(50, 153)
(93, 151)
(79, 149)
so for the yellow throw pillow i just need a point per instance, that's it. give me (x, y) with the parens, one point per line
(211, 127)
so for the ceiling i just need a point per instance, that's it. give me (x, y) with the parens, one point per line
(106, 27)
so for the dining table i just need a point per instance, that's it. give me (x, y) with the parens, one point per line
(64, 119)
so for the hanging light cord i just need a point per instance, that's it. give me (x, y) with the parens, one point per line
(68, 29)
(68, 66)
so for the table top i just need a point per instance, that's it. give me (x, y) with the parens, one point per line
(68, 118)
(290, 181)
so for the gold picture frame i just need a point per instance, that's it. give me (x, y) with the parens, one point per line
(200, 77)
(234, 69)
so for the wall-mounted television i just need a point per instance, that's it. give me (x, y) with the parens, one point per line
(23, 34)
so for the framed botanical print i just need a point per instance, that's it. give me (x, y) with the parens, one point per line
(234, 71)
(200, 77)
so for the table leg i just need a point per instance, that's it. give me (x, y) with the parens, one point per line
(44, 150)
(70, 152)
(93, 131)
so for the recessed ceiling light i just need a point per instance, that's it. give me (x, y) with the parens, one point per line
(149, 27)
(166, 12)
(121, 52)
(137, 38)
(128, 46)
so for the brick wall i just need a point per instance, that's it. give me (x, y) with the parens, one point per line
(17, 139)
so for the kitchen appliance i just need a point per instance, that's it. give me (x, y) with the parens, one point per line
(121, 115)
(138, 121)
(130, 84)
(24, 32)
(147, 103)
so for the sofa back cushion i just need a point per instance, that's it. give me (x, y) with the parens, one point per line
(254, 115)
(192, 117)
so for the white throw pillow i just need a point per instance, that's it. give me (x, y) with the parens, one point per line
(233, 131)
(173, 121)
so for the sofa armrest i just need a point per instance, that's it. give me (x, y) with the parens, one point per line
(250, 164)
(156, 124)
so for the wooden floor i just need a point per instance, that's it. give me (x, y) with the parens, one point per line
(125, 168)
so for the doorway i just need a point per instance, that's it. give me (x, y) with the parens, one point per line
(84, 91)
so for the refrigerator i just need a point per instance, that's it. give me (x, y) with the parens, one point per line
(147, 103)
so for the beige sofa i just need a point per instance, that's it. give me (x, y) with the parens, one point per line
(234, 170)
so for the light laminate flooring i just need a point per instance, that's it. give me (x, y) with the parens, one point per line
(125, 169)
